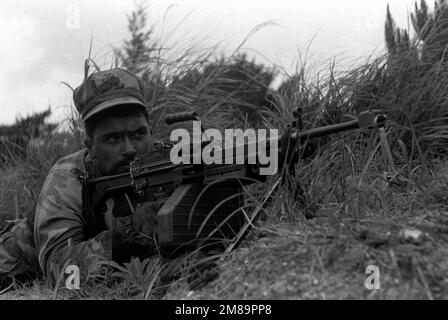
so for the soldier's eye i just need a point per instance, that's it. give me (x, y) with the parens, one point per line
(140, 133)
(112, 139)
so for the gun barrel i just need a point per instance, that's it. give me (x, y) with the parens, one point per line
(364, 120)
(323, 131)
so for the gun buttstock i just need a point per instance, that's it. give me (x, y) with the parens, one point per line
(365, 119)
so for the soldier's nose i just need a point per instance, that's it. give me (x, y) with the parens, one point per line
(129, 150)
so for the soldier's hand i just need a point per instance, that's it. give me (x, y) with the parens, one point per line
(144, 223)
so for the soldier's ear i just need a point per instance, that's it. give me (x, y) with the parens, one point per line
(88, 145)
(90, 149)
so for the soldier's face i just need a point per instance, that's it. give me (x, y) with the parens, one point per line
(117, 141)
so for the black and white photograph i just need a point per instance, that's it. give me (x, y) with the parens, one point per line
(228, 157)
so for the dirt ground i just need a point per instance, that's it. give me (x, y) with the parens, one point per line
(312, 262)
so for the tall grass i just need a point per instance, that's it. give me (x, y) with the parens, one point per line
(411, 94)
(21, 178)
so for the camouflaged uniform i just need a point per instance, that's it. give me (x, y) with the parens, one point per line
(17, 252)
(58, 226)
(64, 233)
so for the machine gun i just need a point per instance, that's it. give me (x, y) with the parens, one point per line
(201, 203)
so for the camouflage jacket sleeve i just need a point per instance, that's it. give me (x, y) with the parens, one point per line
(58, 228)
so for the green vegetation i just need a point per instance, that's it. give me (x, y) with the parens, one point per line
(363, 213)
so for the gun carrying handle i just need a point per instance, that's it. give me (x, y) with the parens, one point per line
(181, 117)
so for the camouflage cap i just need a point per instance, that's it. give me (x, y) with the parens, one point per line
(105, 89)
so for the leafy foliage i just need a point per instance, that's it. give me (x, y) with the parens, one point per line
(137, 52)
(143, 275)
(397, 40)
(16, 138)
(242, 85)
(430, 29)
